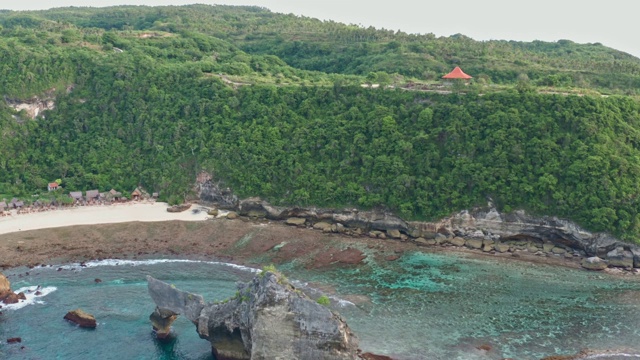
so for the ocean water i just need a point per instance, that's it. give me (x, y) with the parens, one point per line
(422, 306)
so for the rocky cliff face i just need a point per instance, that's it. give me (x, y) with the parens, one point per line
(488, 228)
(352, 218)
(214, 193)
(518, 225)
(33, 107)
(267, 319)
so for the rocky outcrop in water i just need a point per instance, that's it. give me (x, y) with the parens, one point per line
(81, 318)
(161, 320)
(267, 319)
(5, 285)
(7, 296)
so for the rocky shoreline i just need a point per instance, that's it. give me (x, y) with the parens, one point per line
(316, 245)
(482, 230)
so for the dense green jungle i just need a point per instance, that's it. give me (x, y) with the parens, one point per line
(274, 106)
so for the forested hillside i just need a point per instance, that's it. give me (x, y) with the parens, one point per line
(331, 47)
(151, 96)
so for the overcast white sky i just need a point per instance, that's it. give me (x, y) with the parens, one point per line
(612, 23)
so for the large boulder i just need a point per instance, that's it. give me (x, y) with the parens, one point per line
(474, 243)
(619, 257)
(267, 319)
(324, 226)
(502, 247)
(296, 221)
(594, 263)
(5, 285)
(7, 296)
(636, 256)
(81, 318)
(394, 234)
(178, 208)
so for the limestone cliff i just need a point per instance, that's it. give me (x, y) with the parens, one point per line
(33, 106)
(267, 319)
(489, 223)
(353, 218)
(485, 224)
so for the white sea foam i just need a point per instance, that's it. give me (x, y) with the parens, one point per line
(612, 356)
(30, 294)
(342, 302)
(118, 262)
(337, 300)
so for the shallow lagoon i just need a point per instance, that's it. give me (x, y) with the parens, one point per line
(421, 306)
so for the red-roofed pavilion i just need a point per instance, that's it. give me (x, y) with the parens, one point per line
(457, 73)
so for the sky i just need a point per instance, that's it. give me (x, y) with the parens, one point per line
(612, 22)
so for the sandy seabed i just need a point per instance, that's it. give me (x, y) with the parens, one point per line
(98, 214)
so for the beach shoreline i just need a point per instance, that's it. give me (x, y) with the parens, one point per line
(146, 211)
(146, 230)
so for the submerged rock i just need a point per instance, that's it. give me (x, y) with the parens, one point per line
(267, 319)
(83, 319)
(14, 340)
(371, 356)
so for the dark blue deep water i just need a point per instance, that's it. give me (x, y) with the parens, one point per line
(422, 306)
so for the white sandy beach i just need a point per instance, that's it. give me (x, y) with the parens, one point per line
(90, 215)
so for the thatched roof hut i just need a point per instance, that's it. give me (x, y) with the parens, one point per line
(76, 195)
(136, 194)
(93, 195)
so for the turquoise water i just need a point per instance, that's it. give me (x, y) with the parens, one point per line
(422, 306)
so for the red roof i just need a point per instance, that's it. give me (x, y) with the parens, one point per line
(457, 73)
(53, 185)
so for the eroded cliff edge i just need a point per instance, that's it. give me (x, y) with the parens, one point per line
(484, 229)
(267, 319)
